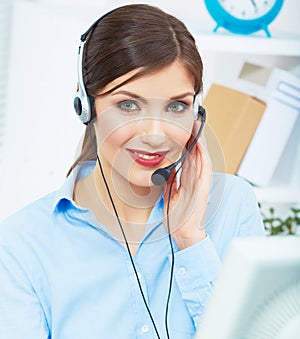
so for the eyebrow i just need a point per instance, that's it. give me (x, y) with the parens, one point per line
(135, 96)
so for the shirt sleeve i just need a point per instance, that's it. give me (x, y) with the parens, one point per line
(196, 269)
(252, 223)
(21, 315)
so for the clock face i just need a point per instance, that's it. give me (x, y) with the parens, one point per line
(247, 9)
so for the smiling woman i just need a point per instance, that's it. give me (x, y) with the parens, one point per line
(112, 245)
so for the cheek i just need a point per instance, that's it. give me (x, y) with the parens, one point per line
(180, 134)
(182, 137)
(116, 139)
(110, 131)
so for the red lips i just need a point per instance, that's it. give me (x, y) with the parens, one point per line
(147, 159)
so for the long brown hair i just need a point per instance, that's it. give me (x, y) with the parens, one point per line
(131, 37)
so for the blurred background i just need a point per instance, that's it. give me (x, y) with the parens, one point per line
(39, 131)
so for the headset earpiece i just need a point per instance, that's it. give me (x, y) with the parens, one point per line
(199, 111)
(202, 113)
(83, 108)
(83, 104)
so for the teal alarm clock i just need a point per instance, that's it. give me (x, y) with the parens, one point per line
(244, 16)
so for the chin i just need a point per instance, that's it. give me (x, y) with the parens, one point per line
(144, 181)
(141, 178)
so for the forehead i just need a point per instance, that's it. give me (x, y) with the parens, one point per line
(165, 83)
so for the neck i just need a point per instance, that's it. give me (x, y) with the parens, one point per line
(133, 203)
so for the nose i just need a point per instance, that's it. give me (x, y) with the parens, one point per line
(153, 132)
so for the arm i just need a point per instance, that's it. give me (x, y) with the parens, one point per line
(196, 269)
(252, 222)
(21, 315)
(198, 261)
(196, 264)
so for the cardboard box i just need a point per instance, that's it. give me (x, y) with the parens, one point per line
(232, 118)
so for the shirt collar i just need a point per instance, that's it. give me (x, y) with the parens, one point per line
(64, 198)
(65, 194)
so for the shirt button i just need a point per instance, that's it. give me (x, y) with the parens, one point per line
(182, 270)
(197, 320)
(145, 329)
(139, 274)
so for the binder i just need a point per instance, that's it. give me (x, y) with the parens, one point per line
(232, 118)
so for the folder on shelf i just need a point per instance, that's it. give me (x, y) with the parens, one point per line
(274, 130)
(232, 118)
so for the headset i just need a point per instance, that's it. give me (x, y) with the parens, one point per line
(83, 102)
(84, 108)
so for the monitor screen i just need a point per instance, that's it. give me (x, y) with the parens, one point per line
(257, 294)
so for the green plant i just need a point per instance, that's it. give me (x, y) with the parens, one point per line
(275, 225)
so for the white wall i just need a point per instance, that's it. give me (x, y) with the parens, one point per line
(5, 29)
(42, 131)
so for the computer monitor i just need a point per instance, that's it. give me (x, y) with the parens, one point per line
(257, 294)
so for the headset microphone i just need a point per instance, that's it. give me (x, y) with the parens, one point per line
(162, 175)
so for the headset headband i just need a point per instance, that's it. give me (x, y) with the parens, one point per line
(83, 102)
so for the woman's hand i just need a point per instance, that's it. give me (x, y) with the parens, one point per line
(188, 202)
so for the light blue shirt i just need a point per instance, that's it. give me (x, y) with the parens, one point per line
(64, 276)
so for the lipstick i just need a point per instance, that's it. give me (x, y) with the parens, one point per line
(147, 159)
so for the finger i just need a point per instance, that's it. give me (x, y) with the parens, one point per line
(185, 178)
(195, 159)
(205, 174)
(169, 185)
(202, 146)
(196, 127)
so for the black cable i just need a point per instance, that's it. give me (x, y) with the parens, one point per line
(130, 255)
(169, 236)
(172, 251)
(127, 246)
(202, 113)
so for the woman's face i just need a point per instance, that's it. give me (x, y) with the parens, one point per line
(145, 124)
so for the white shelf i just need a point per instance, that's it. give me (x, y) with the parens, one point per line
(224, 54)
(283, 194)
(279, 44)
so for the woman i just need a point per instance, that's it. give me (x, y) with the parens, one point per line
(110, 254)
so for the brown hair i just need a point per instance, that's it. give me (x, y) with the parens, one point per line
(131, 37)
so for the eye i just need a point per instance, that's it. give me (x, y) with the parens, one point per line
(177, 107)
(129, 106)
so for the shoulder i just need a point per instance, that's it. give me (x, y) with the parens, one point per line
(231, 184)
(30, 219)
(232, 211)
(232, 199)
(229, 189)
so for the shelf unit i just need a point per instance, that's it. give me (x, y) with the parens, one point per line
(223, 55)
(279, 44)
